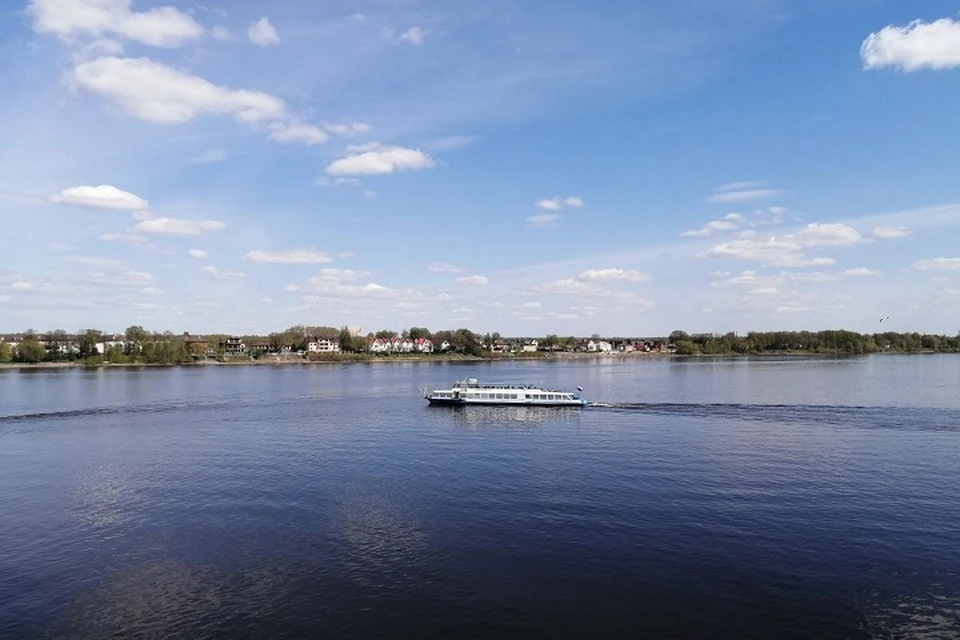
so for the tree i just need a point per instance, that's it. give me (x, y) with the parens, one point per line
(135, 337)
(6, 353)
(30, 351)
(345, 338)
(89, 341)
(416, 333)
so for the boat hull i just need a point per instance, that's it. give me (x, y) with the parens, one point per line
(463, 402)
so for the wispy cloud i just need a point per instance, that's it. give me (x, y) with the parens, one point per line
(937, 264)
(556, 203)
(743, 195)
(222, 274)
(262, 33)
(288, 256)
(414, 35)
(891, 232)
(177, 226)
(210, 156)
(542, 220)
(443, 267)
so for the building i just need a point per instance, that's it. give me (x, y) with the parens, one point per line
(233, 346)
(322, 345)
(196, 346)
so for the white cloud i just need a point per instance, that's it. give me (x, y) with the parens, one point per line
(556, 203)
(221, 274)
(743, 195)
(937, 264)
(262, 33)
(473, 280)
(443, 267)
(297, 132)
(531, 305)
(152, 91)
(826, 235)
(220, 33)
(542, 220)
(626, 275)
(158, 27)
(891, 232)
(125, 238)
(177, 226)
(549, 205)
(288, 256)
(370, 194)
(210, 156)
(771, 251)
(197, 253)
(124, 279)
(103, 196)
(860, 272)
(329, 275)
(348, 129)
(378, 159)
(414, 35)
(919, 45)
(710, 228)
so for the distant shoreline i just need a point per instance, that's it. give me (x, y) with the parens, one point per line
(291, 362)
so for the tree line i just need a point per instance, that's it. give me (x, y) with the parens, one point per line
(137, 345)
(814, 342)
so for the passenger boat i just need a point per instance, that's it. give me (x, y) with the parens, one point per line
(469, 391)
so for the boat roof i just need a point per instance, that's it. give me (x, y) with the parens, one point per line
(474, 384)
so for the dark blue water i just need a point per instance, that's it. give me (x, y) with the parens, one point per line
(711, 499)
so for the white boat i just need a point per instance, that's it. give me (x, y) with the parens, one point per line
(469, 392)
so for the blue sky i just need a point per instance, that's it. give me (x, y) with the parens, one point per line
(622, 168)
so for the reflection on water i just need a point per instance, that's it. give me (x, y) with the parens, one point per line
(934, 617)
(484, 416)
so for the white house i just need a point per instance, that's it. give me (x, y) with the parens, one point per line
(601, 346)
(322, 345)
(530, 346)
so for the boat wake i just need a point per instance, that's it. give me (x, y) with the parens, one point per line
(931, 419)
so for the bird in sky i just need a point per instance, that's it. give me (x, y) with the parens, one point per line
(886, 318)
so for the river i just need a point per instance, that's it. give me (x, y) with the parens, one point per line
(707, 498)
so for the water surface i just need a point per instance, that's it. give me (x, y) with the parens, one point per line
(787, 498)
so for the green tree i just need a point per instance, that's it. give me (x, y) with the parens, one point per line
(89, 340)
(6, 353)
(30, 351)
(417, 333)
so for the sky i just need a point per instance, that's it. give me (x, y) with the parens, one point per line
(623, 168)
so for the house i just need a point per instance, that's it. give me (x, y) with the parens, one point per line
(500, 346)
(322, 345)
(530, 346)
(423, 345)
(379, 345)
(111, 341)
(196, 346)
(233, 346)
(599, 346)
